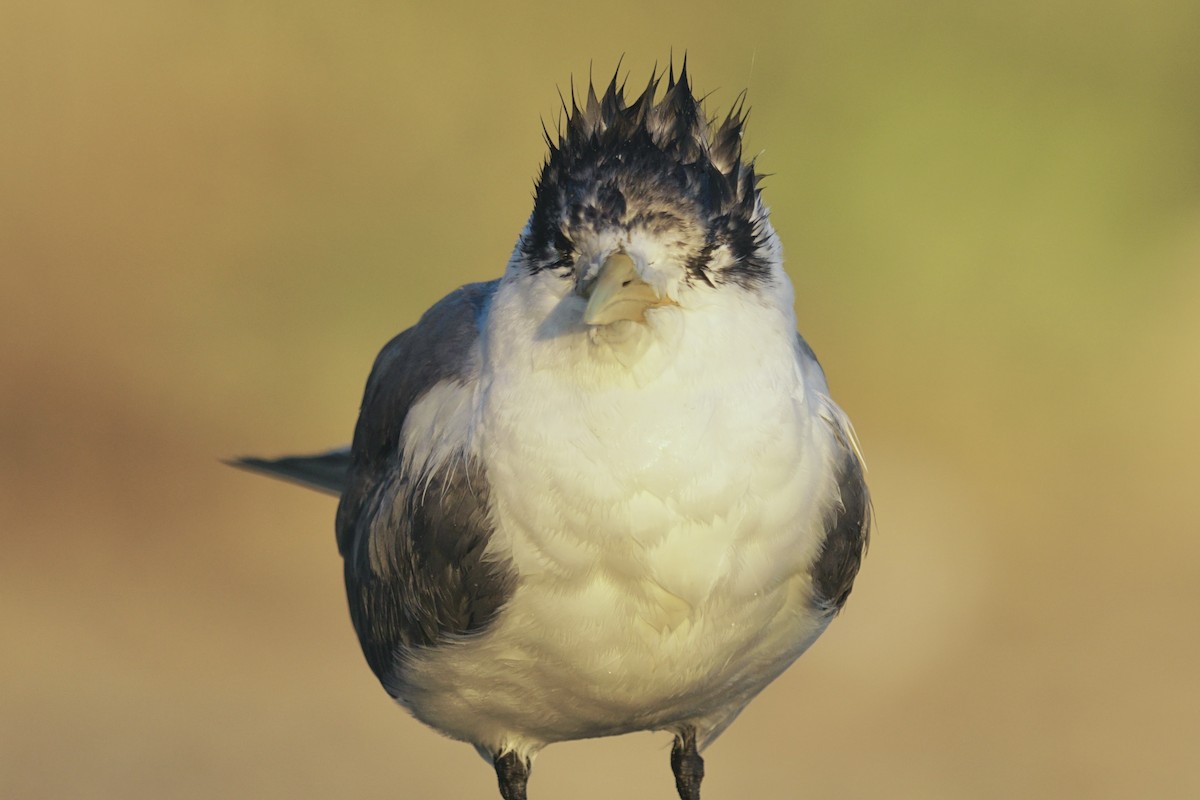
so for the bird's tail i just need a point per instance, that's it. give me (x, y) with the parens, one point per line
(325, 472)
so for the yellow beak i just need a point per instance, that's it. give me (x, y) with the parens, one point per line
(618, 293)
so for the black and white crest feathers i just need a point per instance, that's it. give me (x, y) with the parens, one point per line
(620, 163)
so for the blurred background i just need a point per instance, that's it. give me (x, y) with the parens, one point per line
(212, 215)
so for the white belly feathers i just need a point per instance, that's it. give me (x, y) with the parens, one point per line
(661, 517)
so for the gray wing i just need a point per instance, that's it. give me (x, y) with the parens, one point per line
(413, 545)
(848, 531)
(325, 472)
(848, 524)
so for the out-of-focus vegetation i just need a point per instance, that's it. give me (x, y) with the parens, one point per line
(213, 214)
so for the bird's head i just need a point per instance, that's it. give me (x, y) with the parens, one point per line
(641, 207)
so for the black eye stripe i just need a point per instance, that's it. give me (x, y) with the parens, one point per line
(562, 242)
(566, 253)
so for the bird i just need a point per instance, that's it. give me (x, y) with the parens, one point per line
(608, 491)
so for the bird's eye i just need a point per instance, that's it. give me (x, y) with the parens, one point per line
(564, 248)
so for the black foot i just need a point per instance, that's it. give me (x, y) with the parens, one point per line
(513, 773)
(687, 765)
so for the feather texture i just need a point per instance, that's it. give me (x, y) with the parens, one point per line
(556, 528)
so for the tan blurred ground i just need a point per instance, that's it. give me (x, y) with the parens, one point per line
(212, 215)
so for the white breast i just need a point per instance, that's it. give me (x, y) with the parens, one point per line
(661, 497)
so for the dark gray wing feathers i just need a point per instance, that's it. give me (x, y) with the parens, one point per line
(848, 522)
(414, 545)
(848, 530)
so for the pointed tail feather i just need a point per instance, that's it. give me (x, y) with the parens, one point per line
(325, 472)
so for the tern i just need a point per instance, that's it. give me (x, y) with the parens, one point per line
(608, 491)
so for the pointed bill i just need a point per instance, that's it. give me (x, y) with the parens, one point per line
(618, 293)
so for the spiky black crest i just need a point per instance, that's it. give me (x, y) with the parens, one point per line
(626, 162)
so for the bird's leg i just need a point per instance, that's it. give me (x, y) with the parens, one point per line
(512, 771)
(687, 765)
